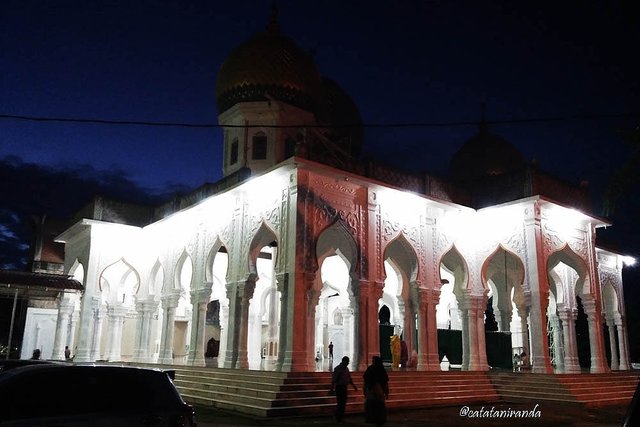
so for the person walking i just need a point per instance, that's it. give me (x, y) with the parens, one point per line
(376, 391)
(340, 379)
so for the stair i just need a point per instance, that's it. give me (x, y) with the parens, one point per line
(526, 387)
(598, 390)
(277, 394)
(592, 390)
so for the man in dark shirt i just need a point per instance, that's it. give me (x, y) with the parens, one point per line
(339, 381)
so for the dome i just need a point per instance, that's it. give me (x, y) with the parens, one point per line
(341, 114)
(268, 63)
(485, 155)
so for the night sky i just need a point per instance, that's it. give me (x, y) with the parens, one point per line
(429, 62)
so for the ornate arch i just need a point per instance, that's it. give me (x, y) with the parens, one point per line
(453, 261)
(155, 287)
(566, 255)
(264, 236)
(504, 264)
(210, 260)
(130, 269)
(177, 272)
(336, 238)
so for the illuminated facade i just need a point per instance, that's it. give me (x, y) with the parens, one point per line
(313, 248)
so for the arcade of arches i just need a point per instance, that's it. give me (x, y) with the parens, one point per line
(268, 274)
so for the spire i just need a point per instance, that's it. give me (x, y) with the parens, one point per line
(273, 27)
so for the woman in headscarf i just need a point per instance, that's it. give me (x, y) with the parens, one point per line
(376, 391)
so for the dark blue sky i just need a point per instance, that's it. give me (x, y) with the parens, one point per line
(401, 61)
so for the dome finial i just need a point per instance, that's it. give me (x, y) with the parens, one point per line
(273, 26)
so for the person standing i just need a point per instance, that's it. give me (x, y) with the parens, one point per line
(340, 379)
(376, 391)
(67, 353)
(331, 350)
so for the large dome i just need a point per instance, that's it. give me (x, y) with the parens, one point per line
(268, 63)
(485, 155)
(341, 114)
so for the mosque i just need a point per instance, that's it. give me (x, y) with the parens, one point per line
(302, 244)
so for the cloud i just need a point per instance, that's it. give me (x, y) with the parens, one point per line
(29, 190)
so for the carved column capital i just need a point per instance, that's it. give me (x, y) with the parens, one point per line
(170, 300)
(201, 295)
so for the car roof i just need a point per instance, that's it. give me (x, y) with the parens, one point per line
(40, 367)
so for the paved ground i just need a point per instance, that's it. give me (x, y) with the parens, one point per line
(521, 414)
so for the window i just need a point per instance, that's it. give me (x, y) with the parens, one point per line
(233, 156)
(259, 146)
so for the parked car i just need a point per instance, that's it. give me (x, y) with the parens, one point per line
(8, 364)
(70, 395)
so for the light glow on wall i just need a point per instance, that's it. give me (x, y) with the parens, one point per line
(628, 261)
(566, 222)
(402, 206)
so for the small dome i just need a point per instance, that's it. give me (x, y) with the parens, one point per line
(268, 63)
(485, 155)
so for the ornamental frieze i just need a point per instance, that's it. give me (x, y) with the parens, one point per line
(326, 214)
(552, 242)
(608, 277)
(335, 186)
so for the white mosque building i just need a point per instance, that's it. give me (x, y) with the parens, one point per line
(300, 244)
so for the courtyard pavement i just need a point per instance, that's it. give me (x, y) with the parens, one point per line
(499, 414)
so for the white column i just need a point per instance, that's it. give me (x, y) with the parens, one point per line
(65, 310)
(169, 305)
(480, 303)
(464, 323)
(137, 348)
(622, 343)
(347, 329)
(99, 314)
(224, 319)
(86, 335)
(598, 364)
(556, 330)
(612, 344)
(229, 352)
(71, 340)
(199, 299)
(246, 293)
(571, 363)
(116, 315)
(471, 308)
(523, 313)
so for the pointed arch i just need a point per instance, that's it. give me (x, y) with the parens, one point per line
(610, 300)
(156, 279)
(117, 273)
(454, 263)
(180, 274)
(403, 256)
(566, 255)
(264, 236)
(555, 286)
(335, 239)
(503, 271)
(217, 247)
